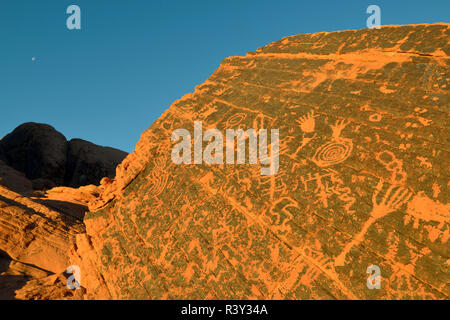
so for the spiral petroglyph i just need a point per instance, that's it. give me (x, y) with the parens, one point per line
(332, 153)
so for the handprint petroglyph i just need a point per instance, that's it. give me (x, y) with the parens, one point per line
(307, 125)
(394, 198)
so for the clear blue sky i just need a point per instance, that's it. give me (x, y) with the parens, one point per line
(109, 81)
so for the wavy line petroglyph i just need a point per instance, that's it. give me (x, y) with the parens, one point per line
(159, 178)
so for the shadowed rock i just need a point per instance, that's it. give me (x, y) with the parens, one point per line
(14, 180)
(88, 163)
(48, 160)
(37, 150)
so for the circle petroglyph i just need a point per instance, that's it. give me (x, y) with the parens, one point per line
(236, 119)
(376, 117)
(332, 153)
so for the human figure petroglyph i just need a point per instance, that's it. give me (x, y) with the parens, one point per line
(335, 151)
(337, 129)
(393, 200)
(274, 186)
(326, 184)
(320, 187)
(316, 178)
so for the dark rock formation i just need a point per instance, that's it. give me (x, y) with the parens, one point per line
(88, 163)
(2, 154)
(37, 150)
(14, 180)
(47, 159)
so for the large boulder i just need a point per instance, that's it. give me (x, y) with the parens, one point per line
(88, 163)
(37, 150)
(363, 123)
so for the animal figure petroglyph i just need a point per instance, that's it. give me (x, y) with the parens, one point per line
(394, 198)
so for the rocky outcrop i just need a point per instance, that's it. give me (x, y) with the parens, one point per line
(48, 160)
(36, 234)
(52, 287)
(14, 275)
(37, 150)
(37, 228)
(88, 163)
(70, 201)
(363, 121)
(26, 282)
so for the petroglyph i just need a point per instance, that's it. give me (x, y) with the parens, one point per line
(392, 201)
(236, 120)
(362, 179)
(307, 122)
(335, 151)
(307, 125)
(392, 164)
(326, 184)
(159, 179)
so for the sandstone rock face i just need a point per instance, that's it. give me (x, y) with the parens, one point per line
(26, 282)
(88, 163)
(70, 201)
(35, 238)
(37, 150)
(363, 118)
(36, 234)
(14, 275)
(48, 160)
(37, 229)
(52, 287)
